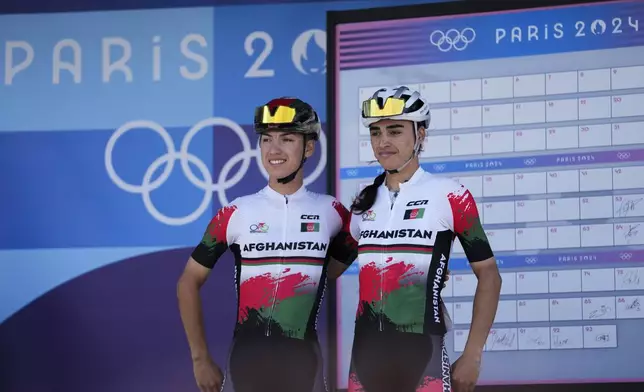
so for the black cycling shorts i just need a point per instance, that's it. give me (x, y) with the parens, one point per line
(274, 364)
(401, 362)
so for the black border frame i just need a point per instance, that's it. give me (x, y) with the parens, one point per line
(455, 7)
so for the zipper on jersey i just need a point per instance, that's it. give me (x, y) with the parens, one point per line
(383, 257)
(279, 275)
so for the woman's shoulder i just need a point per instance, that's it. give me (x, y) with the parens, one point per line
(441, 185)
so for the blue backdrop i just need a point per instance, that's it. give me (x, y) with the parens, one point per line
(120, 133)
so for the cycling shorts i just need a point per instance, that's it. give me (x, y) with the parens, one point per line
(398, 361)
(274, 364)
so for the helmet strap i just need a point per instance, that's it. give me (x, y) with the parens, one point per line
(417, 144)
(291, 177)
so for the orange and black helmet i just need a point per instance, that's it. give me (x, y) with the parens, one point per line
(288, 114)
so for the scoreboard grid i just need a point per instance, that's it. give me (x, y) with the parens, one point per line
(554, 209)
(554, 157)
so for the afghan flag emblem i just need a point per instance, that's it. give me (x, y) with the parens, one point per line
(416, 213)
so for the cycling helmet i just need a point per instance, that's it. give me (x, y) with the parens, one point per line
(399, 103)
(288, 114)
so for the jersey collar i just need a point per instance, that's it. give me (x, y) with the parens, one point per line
(273, 194)
(417, 176)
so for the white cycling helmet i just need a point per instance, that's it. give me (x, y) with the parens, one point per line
(399, 103)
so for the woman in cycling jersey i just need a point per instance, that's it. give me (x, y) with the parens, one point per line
(405, 224)
(282, 238)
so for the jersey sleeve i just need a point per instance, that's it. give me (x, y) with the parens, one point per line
(466, 224)
(354, 226)
(216, 239)
(344, 247)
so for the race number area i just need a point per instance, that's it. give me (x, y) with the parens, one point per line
(540, 113)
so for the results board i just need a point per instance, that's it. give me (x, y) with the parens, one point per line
(540, 113)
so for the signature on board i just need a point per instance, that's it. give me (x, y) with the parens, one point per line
(505, 339)
(537, 340)
(604, 337)
(635, 305)
(597, 313)
(558, 341)
(631, 232)
(631, 277)
(627, 206)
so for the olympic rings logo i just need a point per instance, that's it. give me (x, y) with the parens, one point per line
(185, 158)
(452, 39)
(622, 156)
(529, 161)
(352, 173)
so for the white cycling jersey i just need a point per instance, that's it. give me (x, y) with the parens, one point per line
(404, 248)
(281, 246)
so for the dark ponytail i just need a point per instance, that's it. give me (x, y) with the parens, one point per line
(367, 197)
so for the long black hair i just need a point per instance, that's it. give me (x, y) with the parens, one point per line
(367, 197)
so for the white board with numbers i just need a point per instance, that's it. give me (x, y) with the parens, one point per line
(546, 129)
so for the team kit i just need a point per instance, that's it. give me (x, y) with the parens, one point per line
(288, 242)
